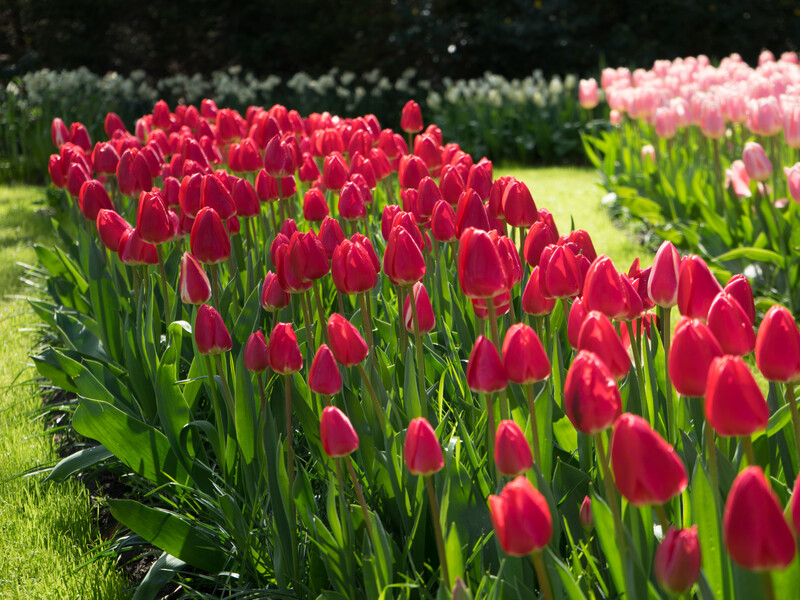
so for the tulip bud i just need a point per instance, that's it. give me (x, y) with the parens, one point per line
(512, 452)
(734, 403)
(577, 315)
(193, 281)
(403, 262)
(411, 117)
(256, 353)
(697, 288)
(519, 208)
(480, 179)
(756, 162)
(92, 198)
(521, 518)
(334, 171)
(591, 397)
(315, 208)
(273, 297)
(754, 528)
(588, 94)
(533, 302)
(731, 326)
(485, 370)
(677, 562)
(346, 343)
(153, 220)
(559, 273)
(739, 288)
(451, 185)
(425, 316)
(662, 286)
(422, 452)
(480, 270)
(210, 333)
(110, 227)
(352, 269)
(216, 195)
(134, 251)
(524, 356)
(284, 353)
(411, 171)
(443, 222)
(540, 235)
(778, 346)
(470, 212)
(597, 335)
(336, 433)
(323, 376)
(77, 175)
(585, 515)
(603, 290)
(646, 468)
(59, 133)
(307, 258)
(693, 349)
(209, 239)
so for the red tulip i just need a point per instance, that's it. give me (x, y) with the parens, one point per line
(284, 353)
(134, 251)
(451, 184)
(794, 508)
(335, 171)
(559, 273)
(153, 220)
(315, 208)
(443, 222)
(480, 179)
(209, 239)
(307, 258)
(105, 158)
(524, 357)
(245, 199)
(411, 171)
(59, 133)
(193, 282)
(190, 196)
(677, 562)
(323, 376)
(273, 297)
(403, 262)
(210, 333)
(739, 288)
(77, 175)
(697, 287)
(256, 353)
(425, 316)
(422, 452)
(411, 117)
(330, 234)
(583, 241)
(346, 343)
(585, 515)
(288, 281)
(778, 346)
(754, 529)
(577, 315)
(591, 396)
(485, 370)
(647, 470)
(731, 325)
(216, 196)
(512, 452)
(112, 124)
(470, 212)
(602, 289)
(352, 269)
(336, 433)
(734, 403)
(390, 211)
(519, 208)
(533, 302)
(693, 349)
(79, 135)
(597, 335)
(521, 518)
(110, 227)
(540, 235)
(92, 198)
(56, 173)
(662, 286)
(480, 270)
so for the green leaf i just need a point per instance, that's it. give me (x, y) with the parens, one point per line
(571, 586)
(753, 254)
(77, 462)
(566, 435)
(604, 525)
(246, 323)
(161, 572)
(779, 419)
(455, 559)
(142, 448)
(704, 509)
(175, 535)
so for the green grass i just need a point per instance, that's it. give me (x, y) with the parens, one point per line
(45, 529)
(573, 192)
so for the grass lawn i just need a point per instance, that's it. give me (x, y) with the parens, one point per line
(45, 530)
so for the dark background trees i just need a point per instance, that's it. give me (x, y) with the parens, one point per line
(457, 38)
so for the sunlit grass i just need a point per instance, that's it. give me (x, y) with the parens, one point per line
(45, 529)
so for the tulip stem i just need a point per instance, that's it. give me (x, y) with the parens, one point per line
(666, 331)
(496, 340)
(362, 501)
(164, 285)
(487, 398)
(711, 449)
(437, 527)
(263, 399)
(320, 310)
(290, 466)
(636, 348)
(215, 285)
(423, 396)
(795, 416)
(312, 347)
(225, 387)
(401, 303)
(662, 519)
(541, 574)
(769, 590)
(534, 425)
(748, 450)
(611, 495)
(217, 411)
(371, 391)
(719, 191)
(366, 319)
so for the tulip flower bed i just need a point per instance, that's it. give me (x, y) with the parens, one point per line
(707, 158)
(334, 368)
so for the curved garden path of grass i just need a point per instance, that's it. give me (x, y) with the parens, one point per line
(46, 530)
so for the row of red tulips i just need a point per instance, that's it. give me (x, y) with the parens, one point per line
(593, 359)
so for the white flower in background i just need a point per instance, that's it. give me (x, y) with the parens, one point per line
(347, 78)
(556, 87)
(494, 98)
(452, 95)
(401, 85)
(384, 84)
(434, 101)
(342, 92)
(372, 76)
(409, 73)
(359, 93)
(570, 82)
(539, 100)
